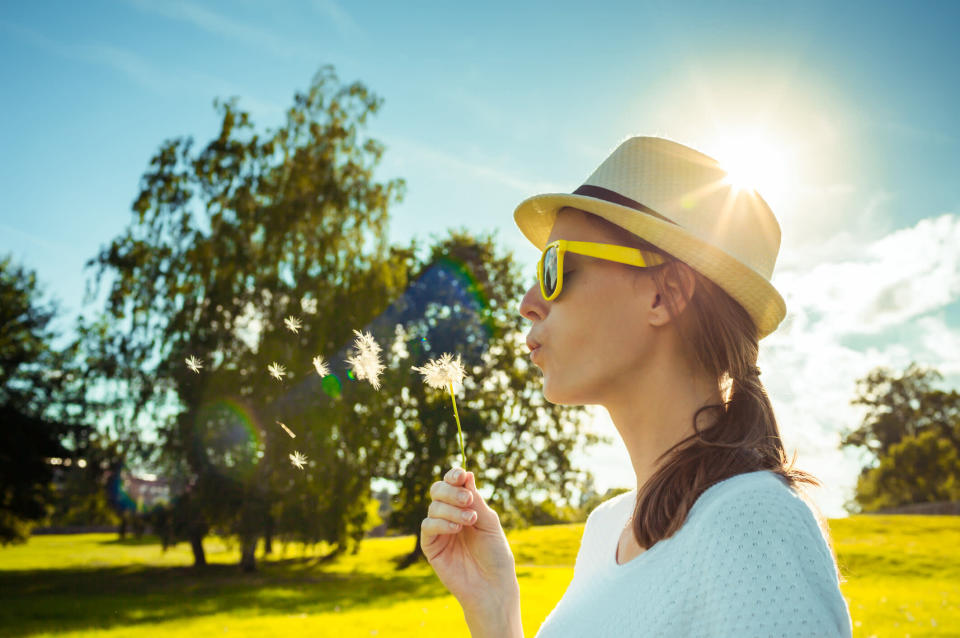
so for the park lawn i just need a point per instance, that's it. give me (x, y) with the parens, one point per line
(903, 578)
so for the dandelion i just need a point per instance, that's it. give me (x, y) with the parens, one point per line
(442, 373)
(277, 371)
(365, 362)
(322, 368)
(297, 459)
(194, 364)
(309, 306)
(293, 324)
(287, 430)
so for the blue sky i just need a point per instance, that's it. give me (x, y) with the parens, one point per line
(486, 104)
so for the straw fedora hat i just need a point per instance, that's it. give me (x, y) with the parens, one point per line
(679, 200)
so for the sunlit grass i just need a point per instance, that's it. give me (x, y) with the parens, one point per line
(903, 578)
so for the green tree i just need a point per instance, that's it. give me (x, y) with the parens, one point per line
(900, 405)
(923, 468)
(912, 431)
(226, 243)
(34, 415)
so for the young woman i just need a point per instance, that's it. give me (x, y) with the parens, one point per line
(653, 293)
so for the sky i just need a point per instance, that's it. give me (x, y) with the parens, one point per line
(845, 112)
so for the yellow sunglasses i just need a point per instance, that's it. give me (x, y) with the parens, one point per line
(550, 266)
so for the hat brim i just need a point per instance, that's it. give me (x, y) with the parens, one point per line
(535, 216)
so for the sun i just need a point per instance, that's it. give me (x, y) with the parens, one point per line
(755, 162)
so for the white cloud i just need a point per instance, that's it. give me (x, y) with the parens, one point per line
(225, 26)
(341, 19)
(137, 69)
(902, 276)
(404, 152)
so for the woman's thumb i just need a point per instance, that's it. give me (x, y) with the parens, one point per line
(471, 484)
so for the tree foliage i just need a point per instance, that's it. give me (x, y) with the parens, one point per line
(912, 430)
(922, 468)
(226, 242)
(34, 405)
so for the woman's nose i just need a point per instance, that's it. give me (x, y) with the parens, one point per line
(533, 306)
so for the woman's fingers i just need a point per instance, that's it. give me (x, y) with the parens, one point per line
(438, 526)
(447, 493)
(451, 513)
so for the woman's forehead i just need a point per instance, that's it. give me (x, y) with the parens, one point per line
(577, 225)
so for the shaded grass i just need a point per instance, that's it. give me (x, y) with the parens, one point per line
(903, 577)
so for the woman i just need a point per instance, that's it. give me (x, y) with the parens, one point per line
(653, 292)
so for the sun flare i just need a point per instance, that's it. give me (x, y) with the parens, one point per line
(756, 162)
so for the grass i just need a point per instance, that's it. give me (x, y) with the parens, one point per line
(903, 578)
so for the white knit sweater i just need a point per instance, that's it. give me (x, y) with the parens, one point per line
(750, 560)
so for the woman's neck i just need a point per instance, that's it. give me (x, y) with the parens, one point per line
(654, 410)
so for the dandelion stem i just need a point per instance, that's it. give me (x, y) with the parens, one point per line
(459, 431)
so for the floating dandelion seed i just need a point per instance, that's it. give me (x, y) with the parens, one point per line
(194, 364)
(277, 371)
(322, 368)
(309, 306)
(441, 373)
(287, 430)
(365, 362)
(293, 324)
(297, 459)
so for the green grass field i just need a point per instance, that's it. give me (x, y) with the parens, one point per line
(903, 579)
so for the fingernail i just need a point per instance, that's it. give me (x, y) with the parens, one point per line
(457, 474)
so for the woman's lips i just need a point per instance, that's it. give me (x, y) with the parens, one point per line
(534, 350)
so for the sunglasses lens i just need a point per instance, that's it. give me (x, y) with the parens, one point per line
(550, 270)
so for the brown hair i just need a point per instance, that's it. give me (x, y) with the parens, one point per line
(743, 437)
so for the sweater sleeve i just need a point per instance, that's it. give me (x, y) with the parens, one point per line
(765, 568)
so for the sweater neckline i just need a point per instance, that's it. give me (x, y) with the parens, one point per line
(622, 510)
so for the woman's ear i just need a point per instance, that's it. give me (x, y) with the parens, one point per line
(679, 283)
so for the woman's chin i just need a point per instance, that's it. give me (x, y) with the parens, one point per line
(558, 396)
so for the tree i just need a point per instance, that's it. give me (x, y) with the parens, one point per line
(225, 244)
(32, 426)
(923, 468)
(912, 430)
(901, 405)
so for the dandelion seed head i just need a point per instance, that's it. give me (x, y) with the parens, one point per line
(443, 371)
(277, 371)
(194, 363)
(321, 366)
(365, 361)
(293, 324)
(297, 459)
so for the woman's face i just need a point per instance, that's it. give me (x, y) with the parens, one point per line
(595, 336)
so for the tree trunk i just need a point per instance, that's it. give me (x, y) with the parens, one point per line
(412, 557)
(196, 544)
(268, 537)
(248, 549)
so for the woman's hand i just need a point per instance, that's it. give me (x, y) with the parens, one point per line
(470, 554)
